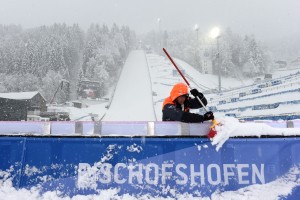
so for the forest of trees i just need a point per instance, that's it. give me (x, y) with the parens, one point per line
(40, 58)
(238, 54)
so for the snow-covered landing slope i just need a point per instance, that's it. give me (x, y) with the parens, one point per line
(132, 100)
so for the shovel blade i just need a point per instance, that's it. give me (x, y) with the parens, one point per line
(212, 133)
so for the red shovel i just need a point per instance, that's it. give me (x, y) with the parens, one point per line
(212, 131)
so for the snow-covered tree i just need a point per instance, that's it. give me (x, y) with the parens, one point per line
(64, 50)
(96, 71)
(255, 55)
(20, 82)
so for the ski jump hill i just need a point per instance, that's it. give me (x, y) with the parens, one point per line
(132, 100)
(131, 155)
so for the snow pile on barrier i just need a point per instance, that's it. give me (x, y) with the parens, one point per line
(231, 127)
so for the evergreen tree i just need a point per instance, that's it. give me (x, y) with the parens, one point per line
(63, 52)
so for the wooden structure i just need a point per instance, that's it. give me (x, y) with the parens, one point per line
(17, 105)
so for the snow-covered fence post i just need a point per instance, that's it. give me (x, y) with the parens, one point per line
(79, 128)
(97, 127)
(151, 128)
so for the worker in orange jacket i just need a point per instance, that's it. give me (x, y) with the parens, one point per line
(177, 106)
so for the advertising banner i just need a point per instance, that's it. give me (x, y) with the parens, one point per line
(158, 166)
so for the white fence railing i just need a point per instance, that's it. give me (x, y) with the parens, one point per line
(89, 128)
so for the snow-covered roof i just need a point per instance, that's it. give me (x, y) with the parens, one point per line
(19, 95)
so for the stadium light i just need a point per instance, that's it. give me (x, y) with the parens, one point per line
(196, 28)
(215, 34)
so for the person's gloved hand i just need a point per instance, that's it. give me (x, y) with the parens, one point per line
(196, 93)
(208, 116)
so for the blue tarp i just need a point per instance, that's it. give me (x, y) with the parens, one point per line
(159, 166)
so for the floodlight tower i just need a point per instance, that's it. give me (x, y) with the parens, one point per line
(215, 34)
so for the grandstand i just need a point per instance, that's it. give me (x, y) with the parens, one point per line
(271, 99)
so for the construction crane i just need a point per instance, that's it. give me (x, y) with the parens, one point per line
(60, 86)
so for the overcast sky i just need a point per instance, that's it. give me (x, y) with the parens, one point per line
(264, 18)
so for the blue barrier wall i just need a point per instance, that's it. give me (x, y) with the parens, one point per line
(159, 166)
